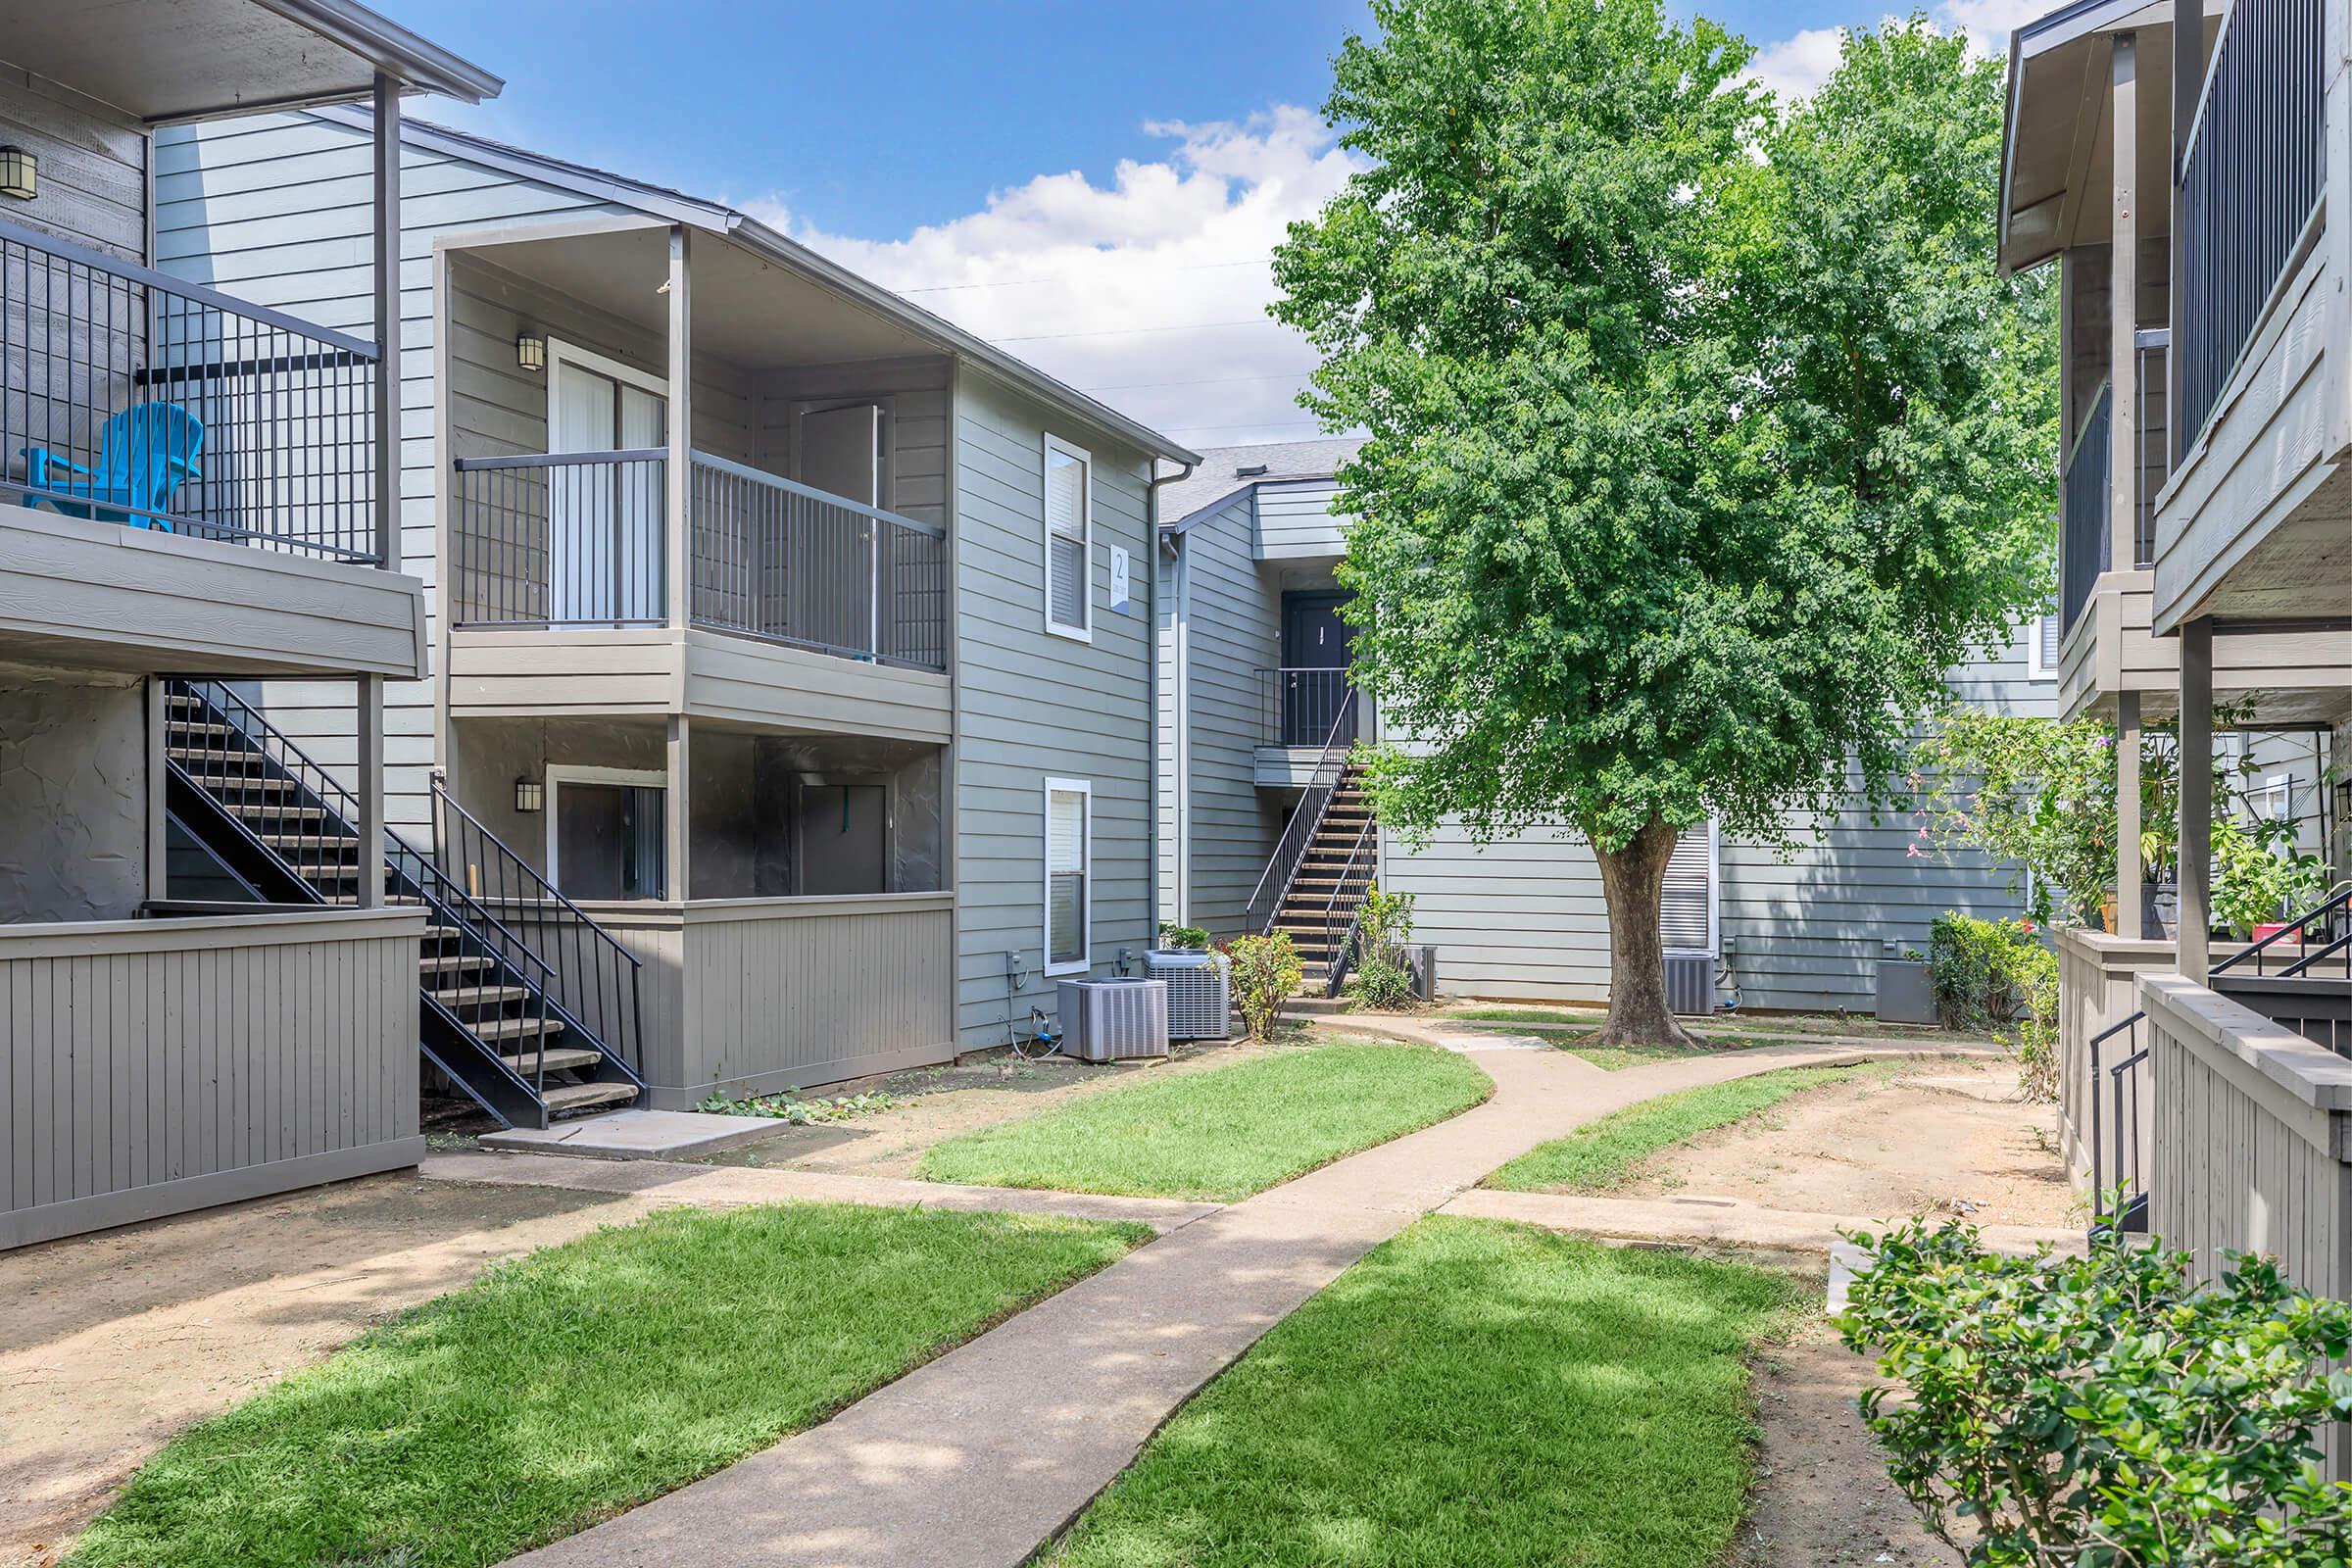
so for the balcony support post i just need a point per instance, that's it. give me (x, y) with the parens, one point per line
(2196, 798)
(681, 494)
(368, 696)
(2122, 316)
(677, 808)
(2127, 876)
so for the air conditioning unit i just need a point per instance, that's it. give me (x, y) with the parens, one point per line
(1690, 984)
(1200, 992)
(1114, 1020)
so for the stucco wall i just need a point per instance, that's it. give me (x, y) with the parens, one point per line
(72, 795)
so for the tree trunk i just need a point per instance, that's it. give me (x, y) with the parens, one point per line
(1634, 882)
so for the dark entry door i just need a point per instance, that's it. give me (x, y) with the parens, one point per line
(1314, 661)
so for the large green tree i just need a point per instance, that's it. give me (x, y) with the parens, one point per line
(1704, 436)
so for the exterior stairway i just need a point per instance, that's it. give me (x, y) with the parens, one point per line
(1336, 868)
(524, 1002)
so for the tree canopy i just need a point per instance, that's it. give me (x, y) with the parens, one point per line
(1704, 439)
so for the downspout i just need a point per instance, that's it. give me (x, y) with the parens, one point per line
(1178, 685)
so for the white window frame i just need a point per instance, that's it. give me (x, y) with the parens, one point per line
(1084, 632)
(1085, 961)
(559, 774)
(1714, 947)
(2036, 669)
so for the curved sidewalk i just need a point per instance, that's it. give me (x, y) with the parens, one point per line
(979, 1457)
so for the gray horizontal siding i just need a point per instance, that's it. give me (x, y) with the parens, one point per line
(94, 165)
(1234, 614)
(160, 1065)
(1294, 521)
(1030, 706)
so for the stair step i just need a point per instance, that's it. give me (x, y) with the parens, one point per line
(569, 1099)
(310, 841)
(516, 1028)
(560, 1058)
(198, 753)
(177, 727)
(244, 783)
(479, 996)
(455, 962)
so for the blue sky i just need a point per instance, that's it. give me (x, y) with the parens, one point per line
(1095, 185)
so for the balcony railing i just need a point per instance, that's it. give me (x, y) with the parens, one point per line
(1298, 705)
(137, 398)
(2084, 537)
(581, 539)
(2250, 179)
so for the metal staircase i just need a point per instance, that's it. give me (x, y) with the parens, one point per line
(525, 1003)
(1314, 883)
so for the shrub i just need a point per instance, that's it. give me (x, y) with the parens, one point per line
(2104, 1411)
(1179, 938)
(1381, 980)
(1265, 975)
(2032, 1040)
(1977, 969)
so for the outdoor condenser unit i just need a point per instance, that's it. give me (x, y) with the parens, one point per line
(1200, 992)
(1114, 1021)
(1690, 984)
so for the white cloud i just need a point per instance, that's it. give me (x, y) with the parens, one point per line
(1795, 66)
(1128, 288)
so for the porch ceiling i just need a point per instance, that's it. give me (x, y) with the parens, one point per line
(2060, 137)
(746, 310)
(167, 60)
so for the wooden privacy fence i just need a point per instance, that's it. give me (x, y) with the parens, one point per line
(155, 1066)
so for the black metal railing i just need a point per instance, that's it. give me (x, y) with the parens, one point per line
(243, 757)
(2300, 976)
(1343, 907)
(2118, 1183)
(594, 980)
(1290, 851)
(1298, 705)
(581, 539)
(572, 539)
(2085, 505)
(137, 398)
(777, 560)
(2251, 175)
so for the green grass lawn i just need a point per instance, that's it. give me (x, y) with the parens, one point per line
(1611, 1152)
(1221, 1133)
(1472, 1393)
(582, 1379)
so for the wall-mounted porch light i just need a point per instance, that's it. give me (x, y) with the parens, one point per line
(19, 174)
(530, 795)
(530, 352)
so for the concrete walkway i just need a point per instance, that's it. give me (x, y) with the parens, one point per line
(981, 1456)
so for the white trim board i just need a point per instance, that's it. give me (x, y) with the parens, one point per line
(1085, 790)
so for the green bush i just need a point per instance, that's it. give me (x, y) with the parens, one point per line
(2106, 1412)
(1265, 975)
(1174, 937)
(2033, 1036)
(1381, 981)
(1979, 969)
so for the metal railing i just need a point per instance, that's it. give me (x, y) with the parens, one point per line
(2309, 991)
(594, 980)
(137, 398)
(243, 755)
(2118, 1184)
(2085, 523)
(1343, 908)
(2251, 175)
(1282, 867)
(781, 560)
(581, 539)
(572, 539)
(1298, 705)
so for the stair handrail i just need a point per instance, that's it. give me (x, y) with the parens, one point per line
(607, 954)
(2336, 903)
(418, 874)
(1290, 851)
(1342, 914)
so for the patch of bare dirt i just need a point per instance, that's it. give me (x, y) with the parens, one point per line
(1822, 1498)
(1952, 1138)
(112, 1344)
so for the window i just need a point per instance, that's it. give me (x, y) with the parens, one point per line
(605, 832)
(1069, 863)
(2042, 647)
(1069, 541)
(1687, 903)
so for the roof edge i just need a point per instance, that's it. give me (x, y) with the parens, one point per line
(417, 60)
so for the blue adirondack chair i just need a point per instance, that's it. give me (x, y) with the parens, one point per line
(145, 454)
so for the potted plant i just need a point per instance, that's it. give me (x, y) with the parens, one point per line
(1904, 993)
